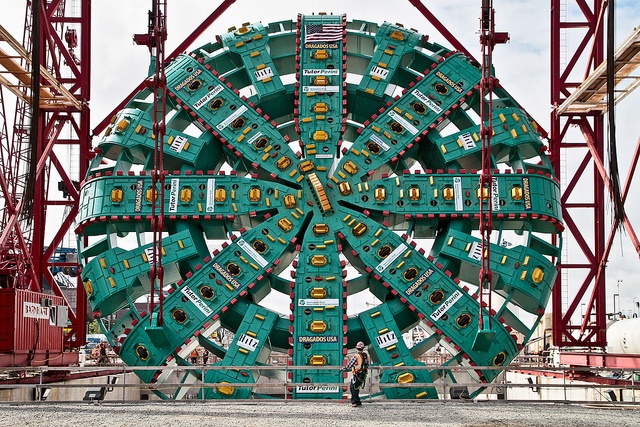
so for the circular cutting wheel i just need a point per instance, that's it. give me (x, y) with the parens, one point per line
(319, 160)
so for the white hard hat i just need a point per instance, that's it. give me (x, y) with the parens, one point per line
(360, 345)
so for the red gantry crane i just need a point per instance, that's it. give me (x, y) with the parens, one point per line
(48, 75)
(50, 80)
(583, 78)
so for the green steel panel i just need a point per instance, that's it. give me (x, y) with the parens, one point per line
(250, 42)
(428, 290)
(118, 273)
(236, 123)
(521, 274)
(519, 198)
(208, 292)
(513, 128)
(198, 198)
(248, 348)
(317, 189)
(402, 123)
(318, 314)
(392, 43)
(321, 117)
(318, 290)
(390, 349)
(130, 138)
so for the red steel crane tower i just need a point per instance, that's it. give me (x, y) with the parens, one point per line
(583, 77)
(49, 81)
(46, 152)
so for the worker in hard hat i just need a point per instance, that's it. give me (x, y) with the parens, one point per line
(359, 365)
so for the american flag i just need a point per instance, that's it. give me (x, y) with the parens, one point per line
(323, 33)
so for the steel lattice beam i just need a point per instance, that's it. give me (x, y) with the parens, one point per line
(586, 267)
(63, 42)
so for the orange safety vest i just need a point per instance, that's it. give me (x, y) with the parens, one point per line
(360, 360)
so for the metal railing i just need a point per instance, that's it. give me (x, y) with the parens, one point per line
(520, 382)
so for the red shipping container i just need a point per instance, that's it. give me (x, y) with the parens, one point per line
(31, 321)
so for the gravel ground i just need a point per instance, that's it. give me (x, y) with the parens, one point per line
(323, 414)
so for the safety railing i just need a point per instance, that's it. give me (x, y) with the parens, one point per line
(523, 382)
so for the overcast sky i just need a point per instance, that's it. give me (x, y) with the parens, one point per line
(522, 65)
